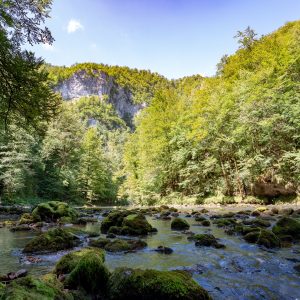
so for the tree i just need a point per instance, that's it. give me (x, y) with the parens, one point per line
(25, 95)
(95, 176)
(22, 19)
(246, 38)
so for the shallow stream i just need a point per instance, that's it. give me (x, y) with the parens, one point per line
(240, 271)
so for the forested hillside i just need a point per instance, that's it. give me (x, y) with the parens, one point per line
(232, 136)
(236, 134)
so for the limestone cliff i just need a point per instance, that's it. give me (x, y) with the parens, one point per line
(82, 84)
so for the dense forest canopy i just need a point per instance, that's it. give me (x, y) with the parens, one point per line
(234, 135)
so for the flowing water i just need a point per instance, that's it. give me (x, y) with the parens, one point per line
(240, 271)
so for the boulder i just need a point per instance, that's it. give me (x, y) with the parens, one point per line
(52, 211)
(206, 240)
(136, 224)
(179, 224)
(53, 240)
(89, 274)
(138, 284)
(287, 227)
(32, 288)
(118, 245)
(263, 237)
(126, 223)
(205, 223)
(69, 261)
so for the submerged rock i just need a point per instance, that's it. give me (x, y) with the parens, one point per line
(164, 250)
(179, 224)
(138, 284)
(53, 240)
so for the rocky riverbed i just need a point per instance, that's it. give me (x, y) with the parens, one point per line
(240, 252)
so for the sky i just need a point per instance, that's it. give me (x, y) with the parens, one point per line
(175, 38)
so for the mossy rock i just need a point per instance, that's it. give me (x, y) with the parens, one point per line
(258, 222)
(114, 218)
(138, 284)
(52, 211)
(224, 222)
(206, 240)
(118, 245)
(287, 226)
(23, 227)
(199, 218)
(53, 240)
(126, 223)
(263, 237)
(89, 274)
(136, 224)
(179, 224)
(69, 261)
(115, 230)
(26, 218)
(205, 223)
(33, 289)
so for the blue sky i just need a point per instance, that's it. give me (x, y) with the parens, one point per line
(175, 38)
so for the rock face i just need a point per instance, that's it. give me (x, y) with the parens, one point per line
(81, 84)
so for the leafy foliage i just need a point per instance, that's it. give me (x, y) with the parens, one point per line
(226, 134)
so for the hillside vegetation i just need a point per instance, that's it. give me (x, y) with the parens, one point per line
(236, 134)
(232, 136)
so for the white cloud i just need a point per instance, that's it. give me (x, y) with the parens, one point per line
(48, 47)
(74, 25)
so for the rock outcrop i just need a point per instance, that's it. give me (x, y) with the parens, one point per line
(82, 84)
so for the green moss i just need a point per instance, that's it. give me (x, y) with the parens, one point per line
(224, 222)
(118, 245)
(115, 230)
(206, 240)
(136, 224)
(257, 222)
(179, 224)
(126, 223)
(199, 218)
(287, 226)
(33, 289)
(53, 240)
(52, 211)
(26, 218)
(114, 218)
(205, 223)
(89, 274)
(138, 284)
(263, 237)
(69, 261)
